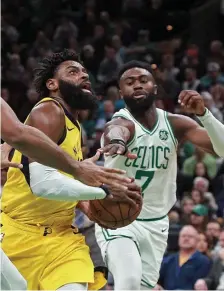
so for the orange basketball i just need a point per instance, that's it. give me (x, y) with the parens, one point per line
(114, 214)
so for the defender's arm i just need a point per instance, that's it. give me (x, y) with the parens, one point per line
(210, 138)
(117, 134)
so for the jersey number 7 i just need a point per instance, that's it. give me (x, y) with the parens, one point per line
(148, 174)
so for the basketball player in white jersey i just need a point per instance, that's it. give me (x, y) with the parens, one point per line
(142, 140)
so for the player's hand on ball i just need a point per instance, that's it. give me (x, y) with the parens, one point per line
(93, 175)
(192, 102)
(117, 149)
(132, 195)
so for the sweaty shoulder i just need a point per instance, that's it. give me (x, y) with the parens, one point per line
(49, 118)
(181, 124)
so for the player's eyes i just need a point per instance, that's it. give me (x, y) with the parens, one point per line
(129, 82)
(72, 72)
(144, 80)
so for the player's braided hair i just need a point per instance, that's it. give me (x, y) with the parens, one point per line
(47, 68)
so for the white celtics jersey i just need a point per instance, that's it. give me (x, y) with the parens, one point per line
(155, 168)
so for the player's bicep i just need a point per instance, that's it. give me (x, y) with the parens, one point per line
(49, 118)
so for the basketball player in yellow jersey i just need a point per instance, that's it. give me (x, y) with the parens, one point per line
(38, 202)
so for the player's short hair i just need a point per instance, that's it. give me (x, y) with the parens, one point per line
(134, 64)
(47, 68)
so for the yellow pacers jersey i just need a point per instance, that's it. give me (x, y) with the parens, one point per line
(21, 204)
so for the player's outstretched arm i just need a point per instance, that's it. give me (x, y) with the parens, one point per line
(117, 134)
(211, 137)
(38, 146)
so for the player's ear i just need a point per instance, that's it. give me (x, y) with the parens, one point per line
(121, 96)
(52, 84)
(155, 90)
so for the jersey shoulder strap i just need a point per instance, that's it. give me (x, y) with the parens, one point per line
(46, 100)
(123, 113)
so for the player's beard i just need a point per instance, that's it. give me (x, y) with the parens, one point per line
(139, 105)
(76, 98)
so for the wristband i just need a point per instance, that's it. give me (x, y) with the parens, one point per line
(121, 142)
(202, 117)
(105, 189)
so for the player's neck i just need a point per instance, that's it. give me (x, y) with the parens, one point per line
(73, 112)
(148, 118)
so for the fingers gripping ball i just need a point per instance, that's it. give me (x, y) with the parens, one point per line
(114, 214)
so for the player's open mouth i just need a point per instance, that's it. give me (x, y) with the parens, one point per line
(86, 87)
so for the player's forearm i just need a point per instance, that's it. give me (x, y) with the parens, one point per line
(48, 183)
(215, 130)
(113, 132)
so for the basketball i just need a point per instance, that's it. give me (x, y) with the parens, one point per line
(114, 214)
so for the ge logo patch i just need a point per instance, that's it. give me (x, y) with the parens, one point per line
(163, 134)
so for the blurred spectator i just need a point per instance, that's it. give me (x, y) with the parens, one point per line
(89, 60)
(15, 70)
(216, 53)
(199, 217)
(202, 185)
(64, 31)
(215, 278)
(113, 94)
(201, 171)
(193, 59)
(203, 245)
(217, 92)
(213, 230)
(213, 76)
(187, 205)
(108, 66)
(106, 115)
(88, 123)
(191, 82)
(119, 48)
(10, 31)
(208, 160)
(197, 196)
(168, 68)
(210, 104)
(183, 269)
(32, 99)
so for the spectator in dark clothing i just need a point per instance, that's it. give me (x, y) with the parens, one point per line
(183, 269)
(215, 278)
